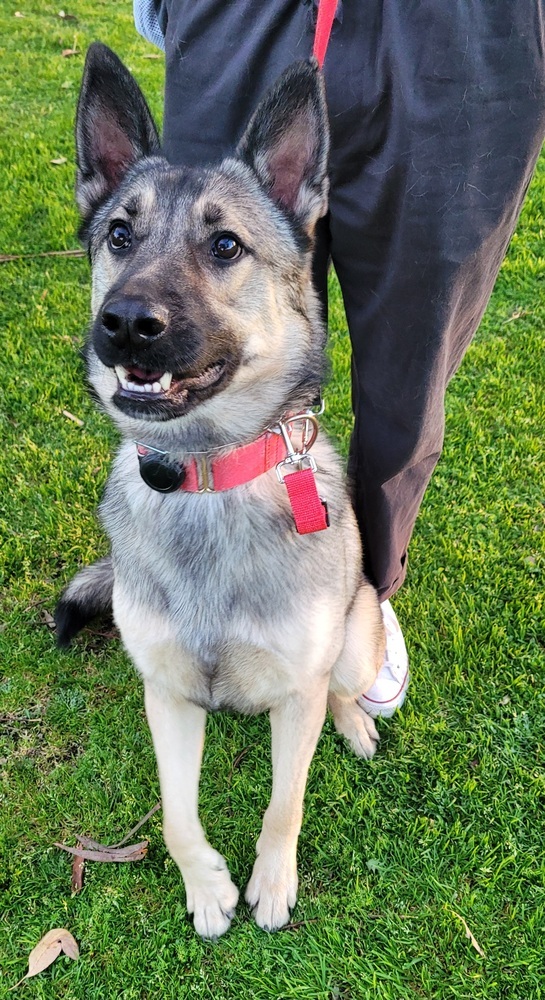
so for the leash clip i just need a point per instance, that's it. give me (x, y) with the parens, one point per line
(308, 508)
(298, 459)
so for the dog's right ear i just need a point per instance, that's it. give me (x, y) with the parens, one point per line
(114, 127)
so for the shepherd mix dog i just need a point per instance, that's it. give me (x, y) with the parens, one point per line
(207, 336)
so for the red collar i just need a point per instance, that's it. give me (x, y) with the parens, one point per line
(206, 473)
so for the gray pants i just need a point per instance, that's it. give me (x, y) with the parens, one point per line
(437, 111)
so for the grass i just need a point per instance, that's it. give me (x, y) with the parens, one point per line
(444, 826)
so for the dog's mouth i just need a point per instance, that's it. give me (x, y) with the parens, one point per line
(140, 382)
(140, 388)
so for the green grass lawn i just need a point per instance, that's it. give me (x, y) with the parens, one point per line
(445, 825)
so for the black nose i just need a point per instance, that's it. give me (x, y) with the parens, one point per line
(132, 320)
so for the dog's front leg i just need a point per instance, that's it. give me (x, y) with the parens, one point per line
(295, 728)
(177, 728)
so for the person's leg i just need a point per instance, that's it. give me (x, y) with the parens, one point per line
(220, 59)
(436, 119)
(429, 167)
(436, 114)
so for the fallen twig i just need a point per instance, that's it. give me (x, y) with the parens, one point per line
(66, 413)
(5, 257)
(140, 823)
(300, 923)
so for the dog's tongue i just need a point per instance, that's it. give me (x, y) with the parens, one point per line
(144, 375)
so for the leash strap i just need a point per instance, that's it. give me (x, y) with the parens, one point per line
(324, 24)
(309, 510)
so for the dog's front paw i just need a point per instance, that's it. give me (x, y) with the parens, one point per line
(211, 898)
(355, 725)
(271, 893)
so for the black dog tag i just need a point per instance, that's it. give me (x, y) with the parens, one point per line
(160, 473)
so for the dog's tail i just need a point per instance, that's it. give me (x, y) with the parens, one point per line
(87, 595)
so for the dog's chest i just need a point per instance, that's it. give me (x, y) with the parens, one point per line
(206, 596)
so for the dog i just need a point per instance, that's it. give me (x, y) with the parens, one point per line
(207, 347)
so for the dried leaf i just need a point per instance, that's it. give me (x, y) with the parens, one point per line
(135, 852)
(43, 955)
(19, 14)
(47, 618)
(78, 869)
(70, 52)
(91, 850)
(69, 946)
(48, 949)
(59, 160)
(469, 935)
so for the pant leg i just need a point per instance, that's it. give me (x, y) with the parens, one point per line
(436, 113)
(221, 57)
(429, 168)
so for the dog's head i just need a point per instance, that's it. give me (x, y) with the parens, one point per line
(203, 307)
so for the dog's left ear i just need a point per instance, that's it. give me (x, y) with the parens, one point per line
(287, 142)
(114, 127)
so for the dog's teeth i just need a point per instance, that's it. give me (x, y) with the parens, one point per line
(160, 385)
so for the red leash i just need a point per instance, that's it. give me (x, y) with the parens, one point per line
(324, 24)
(308, 508)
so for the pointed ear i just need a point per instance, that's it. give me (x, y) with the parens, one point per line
(114, 127)
(287, 142)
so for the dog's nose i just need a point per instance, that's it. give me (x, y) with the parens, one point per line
(132, 320)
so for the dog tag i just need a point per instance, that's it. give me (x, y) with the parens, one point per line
(161, 474)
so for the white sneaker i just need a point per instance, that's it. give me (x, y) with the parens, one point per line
(389, 690)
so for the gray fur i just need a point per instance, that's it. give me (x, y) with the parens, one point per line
(220, 602)
(88, 595)
(93, 585)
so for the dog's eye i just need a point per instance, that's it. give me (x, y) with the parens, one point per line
(226, 247)
(119, 236)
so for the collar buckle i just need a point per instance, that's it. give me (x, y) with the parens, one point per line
(204, 473)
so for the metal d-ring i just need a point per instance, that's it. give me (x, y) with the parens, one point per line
(300, 458)
(310, 431)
